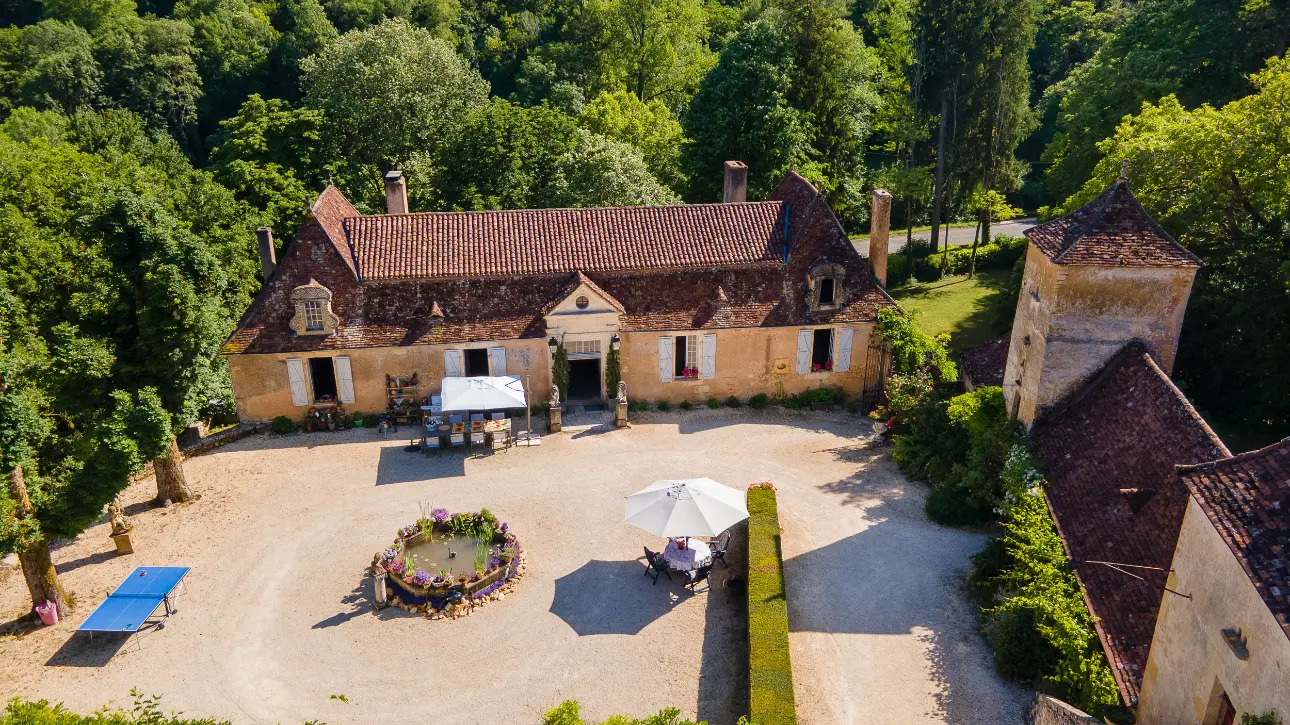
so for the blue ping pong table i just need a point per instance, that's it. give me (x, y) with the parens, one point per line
(129, 607)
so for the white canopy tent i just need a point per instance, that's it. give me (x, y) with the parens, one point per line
(482, 393)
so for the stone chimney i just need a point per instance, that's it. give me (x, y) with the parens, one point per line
(736, 186)
(268, 257)
(879, 234)
(396, 193)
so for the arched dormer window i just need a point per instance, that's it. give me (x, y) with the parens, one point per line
(313, 315)
(826, 289)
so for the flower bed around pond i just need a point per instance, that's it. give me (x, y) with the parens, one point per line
(445, 561)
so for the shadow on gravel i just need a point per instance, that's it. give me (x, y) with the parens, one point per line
(612, 597)
(723, 673)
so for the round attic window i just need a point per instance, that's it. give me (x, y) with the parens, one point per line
(582, 302)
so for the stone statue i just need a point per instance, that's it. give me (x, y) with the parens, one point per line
(117, 518)
(622, 391)
(554, 399)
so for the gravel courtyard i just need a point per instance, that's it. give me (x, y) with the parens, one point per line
(277, 618)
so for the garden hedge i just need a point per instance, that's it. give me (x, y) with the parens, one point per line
(770, 672)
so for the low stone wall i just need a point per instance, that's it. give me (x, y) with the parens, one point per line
(1050, 711)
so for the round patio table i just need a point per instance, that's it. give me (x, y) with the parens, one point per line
(694, 555)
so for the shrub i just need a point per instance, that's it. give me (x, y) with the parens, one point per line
(758, 401)
(713, 403)
(685, 405)
(955, 506)
(560, 370)
(282, 425)
(664, 405)
(637, 406)
(146, 710)
(770, 671)
(570, 713)
(927, 269)
(898, 270)
(733, 402)
(613, 371)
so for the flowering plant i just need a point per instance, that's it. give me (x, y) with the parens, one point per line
(440, 515)
(763, 484)
(408, 530)
(421, 578)
(689, 372)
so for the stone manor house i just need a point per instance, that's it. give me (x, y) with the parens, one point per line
(1181, 548)
(702, 300)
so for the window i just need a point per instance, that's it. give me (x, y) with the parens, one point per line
(826, 291)
(323, 375)
(477, 362)
(822, 350)
(583, 347)
(313, 315)
(582, 302)
(686, 356)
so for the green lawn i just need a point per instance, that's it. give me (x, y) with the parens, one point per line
(966, 308)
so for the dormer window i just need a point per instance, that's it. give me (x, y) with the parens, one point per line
(312, 314)
(825, 290)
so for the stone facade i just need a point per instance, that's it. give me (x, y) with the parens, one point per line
(1050, 711)
(1191, 666)
(1072, 319)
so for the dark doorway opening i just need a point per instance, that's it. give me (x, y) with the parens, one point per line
(822, 349)
(584, 379)
(323, 375)
(679, 355)
(477, 363)
(826, 291)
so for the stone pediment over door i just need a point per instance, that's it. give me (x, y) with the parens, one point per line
(584, 307)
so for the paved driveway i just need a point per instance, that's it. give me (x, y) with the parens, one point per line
(277, 616)
(958, 236)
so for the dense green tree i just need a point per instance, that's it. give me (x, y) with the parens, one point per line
(89, 14)
(305, 31)
(1200, 50)
(272, 156)
(649, 127)
(233, 39)
(602, 172)
(653, 48)
(388, 92)
(741, 111)
(834, 82)
(1217, 180)
(150, 68)
(50, 66)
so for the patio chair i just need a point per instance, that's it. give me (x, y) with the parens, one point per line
(693, 578)
(718, 548)
(436, 404)
(655, 562)
(476, 437)
(456, 439)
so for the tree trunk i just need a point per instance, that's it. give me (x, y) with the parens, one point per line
(976, 236)
(169, 470)
(940, 175)
(37, 566)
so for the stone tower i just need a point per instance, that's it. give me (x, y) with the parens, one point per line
(1095, 279)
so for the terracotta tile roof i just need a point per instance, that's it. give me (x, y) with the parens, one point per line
(1247, 498)
(386, 312)
(1113, 230)
(984, 364)
(1124, 429)
(435, 245)
(330, 211)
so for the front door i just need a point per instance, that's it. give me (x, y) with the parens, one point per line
(584, 379)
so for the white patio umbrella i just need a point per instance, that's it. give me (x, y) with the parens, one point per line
(694, 507)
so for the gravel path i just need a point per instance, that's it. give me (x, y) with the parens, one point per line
(277, 616)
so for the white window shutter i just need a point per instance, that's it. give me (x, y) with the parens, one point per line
(344, 380)
(665, 344)
(296, 376)
(804, 351)
(842, 355)
(708, 363)
(452, 363)
(496, 361)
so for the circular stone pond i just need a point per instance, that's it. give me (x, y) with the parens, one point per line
(445, 560)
